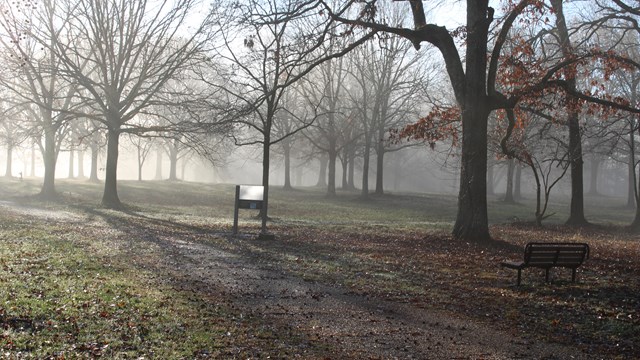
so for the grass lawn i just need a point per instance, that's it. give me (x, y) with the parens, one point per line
(75, 290)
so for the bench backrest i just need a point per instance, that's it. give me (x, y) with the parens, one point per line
(555, 254)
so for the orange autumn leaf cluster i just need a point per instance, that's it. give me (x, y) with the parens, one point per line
(441, 123)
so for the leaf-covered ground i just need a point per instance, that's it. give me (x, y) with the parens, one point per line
(163, 281)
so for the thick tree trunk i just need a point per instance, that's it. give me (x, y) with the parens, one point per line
(472, 219)
(508, 196)
(110, 197)
(576, 216)
(472, 222)
(49, 157)
(173, 163)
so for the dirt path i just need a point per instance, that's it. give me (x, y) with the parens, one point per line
(355, 326)
(329, 319)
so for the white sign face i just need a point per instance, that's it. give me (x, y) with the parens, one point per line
(249, 192)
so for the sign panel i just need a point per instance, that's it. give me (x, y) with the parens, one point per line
(251, 192)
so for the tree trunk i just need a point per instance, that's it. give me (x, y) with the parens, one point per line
(110, 197)
(508, 196)
(140, 162)
(33, 160)
(173, 162)
(631, 197)
(345, 165)
(364, 192)
(286, 147)
(8, 169)
(576, 215)
(517, 192)
(333, 155)
(322, 174)
(71, 163)
(472, 219)
(81, 164)
(472, 222)
(352, 168)
(380, 168)
(49, 157)
(265, 181)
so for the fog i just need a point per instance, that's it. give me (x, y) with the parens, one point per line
(414, 170)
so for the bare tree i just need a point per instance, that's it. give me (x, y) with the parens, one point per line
(121, 54)
(476, 83)
(282, 42)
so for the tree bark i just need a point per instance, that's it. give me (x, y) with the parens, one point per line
(351, 184)
(286, 147)
(173, 162)
(266, 148)
(48, 191)
(345, 165)
(333, 156)
(508, 196)
(631, 197)
(110, 197)
(472, 222)
(364, 191)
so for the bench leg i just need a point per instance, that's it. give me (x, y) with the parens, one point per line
(546, 275)
(519, 276)
(573, 275)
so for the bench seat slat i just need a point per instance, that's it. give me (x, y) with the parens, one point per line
(548, 255)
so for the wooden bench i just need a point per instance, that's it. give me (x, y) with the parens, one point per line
(548, 255)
